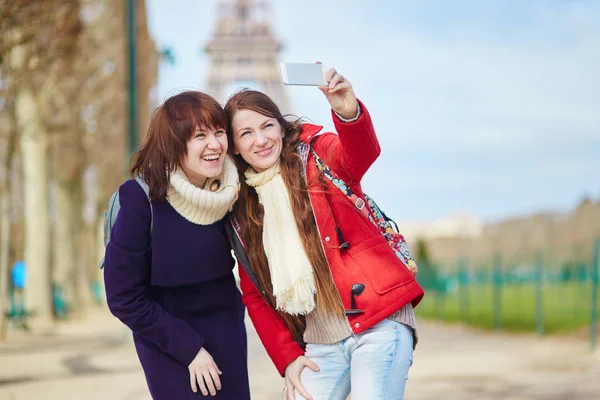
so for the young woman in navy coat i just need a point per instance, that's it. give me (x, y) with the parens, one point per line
(168, 265)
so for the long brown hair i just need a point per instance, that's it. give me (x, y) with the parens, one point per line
(171, 126)
(249, 212)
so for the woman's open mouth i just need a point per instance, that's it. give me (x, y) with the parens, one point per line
(211, 158)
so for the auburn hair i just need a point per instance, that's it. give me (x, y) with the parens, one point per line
(171, 126)
(249, 212)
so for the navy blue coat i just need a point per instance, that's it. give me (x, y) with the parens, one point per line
(176, 291)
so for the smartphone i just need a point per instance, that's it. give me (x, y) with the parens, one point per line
(303, 74)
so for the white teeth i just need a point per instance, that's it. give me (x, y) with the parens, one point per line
(211, 158)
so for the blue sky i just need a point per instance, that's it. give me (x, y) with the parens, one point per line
(484, 107)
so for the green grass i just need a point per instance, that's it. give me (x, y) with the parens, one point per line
(566, 307)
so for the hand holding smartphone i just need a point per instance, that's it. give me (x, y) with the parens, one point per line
(335, 87)
(303, 74)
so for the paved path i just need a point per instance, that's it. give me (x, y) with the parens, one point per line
(95, 360)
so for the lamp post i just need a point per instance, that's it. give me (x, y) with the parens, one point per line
(131, 45)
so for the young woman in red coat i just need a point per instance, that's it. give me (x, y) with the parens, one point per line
(330, 299)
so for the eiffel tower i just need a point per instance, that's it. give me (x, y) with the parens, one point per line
(243, 48)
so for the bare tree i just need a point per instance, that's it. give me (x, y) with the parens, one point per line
(36, 41)
(69, 67)
(9, 140)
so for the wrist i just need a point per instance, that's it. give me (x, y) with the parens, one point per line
(285, 370)
(349, 116)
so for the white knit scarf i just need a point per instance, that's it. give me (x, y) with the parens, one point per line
(291, 271)
(202, 206)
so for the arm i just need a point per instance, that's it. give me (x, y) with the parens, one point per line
(127, 278)
(354, 149)
(274, 335)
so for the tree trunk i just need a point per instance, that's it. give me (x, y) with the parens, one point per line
(37, 245)
(85, 261)
(5, 242)
(73, 250)
(64, 251)
(6, 197)
(81, 280)
(5, 222)
(4, 259)
(98, 274)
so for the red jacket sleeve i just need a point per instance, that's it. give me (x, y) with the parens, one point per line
(353, 150)
(274, 335)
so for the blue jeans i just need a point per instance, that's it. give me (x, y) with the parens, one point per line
(373, 365)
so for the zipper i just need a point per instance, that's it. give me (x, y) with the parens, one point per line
(323, 247)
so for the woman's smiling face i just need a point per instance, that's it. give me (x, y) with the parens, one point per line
(206, 151)
(257, 138)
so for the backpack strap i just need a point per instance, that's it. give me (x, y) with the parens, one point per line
(140, 180)
(358, 202)
(114, 206)
(371, 210)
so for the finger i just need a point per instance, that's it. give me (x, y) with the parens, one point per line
(214, 373)
(193, 383)
(330, 74)
(202, 385)
(341, 86)
(209, 384)
(291, 395)
(312, 365)
(286, 389)
(300, 390)
(337, 78)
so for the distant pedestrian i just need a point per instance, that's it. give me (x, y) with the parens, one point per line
(19, 282)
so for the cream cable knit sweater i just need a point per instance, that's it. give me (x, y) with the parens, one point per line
(201, 206)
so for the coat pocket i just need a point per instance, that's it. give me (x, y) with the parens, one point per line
(380, 265)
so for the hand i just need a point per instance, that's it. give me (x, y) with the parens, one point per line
(205, 373)
(292, 378)
(340, 94)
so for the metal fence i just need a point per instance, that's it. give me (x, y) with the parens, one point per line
(516, 298)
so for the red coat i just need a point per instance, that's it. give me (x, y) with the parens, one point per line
(370, 260)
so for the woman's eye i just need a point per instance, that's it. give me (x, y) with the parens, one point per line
(200, 136)
(245, 133)
(268, 125)
(219, 133)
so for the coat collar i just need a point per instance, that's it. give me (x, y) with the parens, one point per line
(309, 131)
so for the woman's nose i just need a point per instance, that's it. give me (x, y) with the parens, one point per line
(261, 140)
(214, 144)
